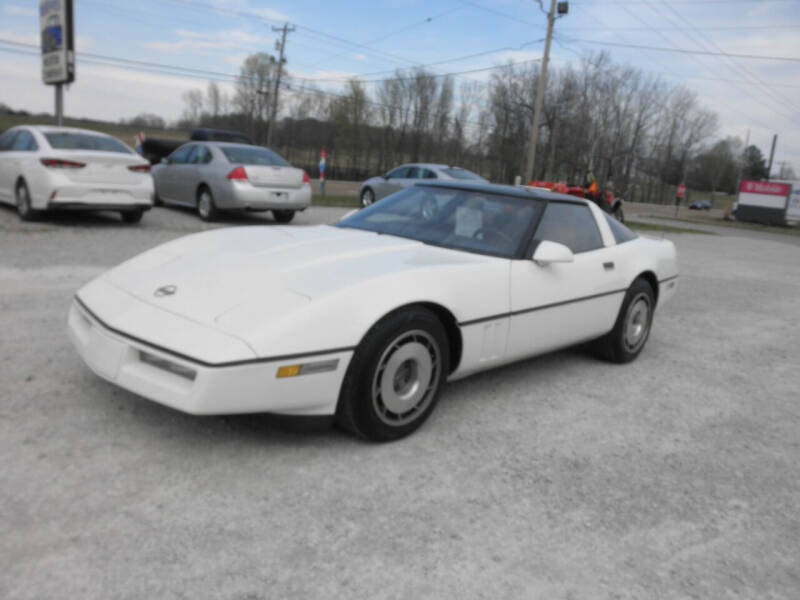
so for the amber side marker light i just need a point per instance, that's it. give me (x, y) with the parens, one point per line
(307, 368)
(289, 371)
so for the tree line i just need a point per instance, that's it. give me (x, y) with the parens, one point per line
(604, 121)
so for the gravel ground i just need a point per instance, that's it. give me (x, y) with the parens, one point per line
(677, 476)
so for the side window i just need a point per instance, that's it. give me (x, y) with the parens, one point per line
(428, 174)
(24, 142)
(206, 157)
(399, 173)
(180, 155)
(570, 224)
(6, 140)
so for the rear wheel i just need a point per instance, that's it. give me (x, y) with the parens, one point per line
(205, 205)
(632, 328)
(24, 208)
(394, 379)
(283, 216)
(132, 216)
(367, 197)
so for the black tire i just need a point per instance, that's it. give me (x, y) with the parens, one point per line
(132, 216)
(24, 209)
(615, 346)
(367, 197)
(283, 216)
(362, 409)
(206, 208)
(619, 214)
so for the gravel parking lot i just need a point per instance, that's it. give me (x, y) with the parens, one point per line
(677, 476)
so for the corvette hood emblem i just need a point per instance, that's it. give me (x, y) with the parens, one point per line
(165, 290)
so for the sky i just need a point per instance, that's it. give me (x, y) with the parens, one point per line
(336, 40)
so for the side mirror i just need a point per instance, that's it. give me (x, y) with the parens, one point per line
(552, 252)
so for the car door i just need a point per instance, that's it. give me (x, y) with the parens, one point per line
(166, 174)
(559, 304)
(6, 176)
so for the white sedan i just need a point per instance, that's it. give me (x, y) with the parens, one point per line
(366, 319)
(56, 168)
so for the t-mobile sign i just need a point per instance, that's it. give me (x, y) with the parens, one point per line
(764, 194)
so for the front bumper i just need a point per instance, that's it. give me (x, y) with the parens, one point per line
(201, 388)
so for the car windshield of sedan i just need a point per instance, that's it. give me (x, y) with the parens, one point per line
(253, 155)
(466, 220)
(459, 173)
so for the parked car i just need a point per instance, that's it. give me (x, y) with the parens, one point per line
(217, 176)
(700, 205)
(56, 168)
(368, 318)
(375, 188)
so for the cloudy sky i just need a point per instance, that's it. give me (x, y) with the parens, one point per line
(334, 40)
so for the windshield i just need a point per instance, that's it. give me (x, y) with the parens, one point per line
(458, 219)
(253, 155)
(85, 141)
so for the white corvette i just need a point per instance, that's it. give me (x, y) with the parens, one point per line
(366, 319)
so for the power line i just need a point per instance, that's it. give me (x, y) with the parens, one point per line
(686, 50)
(740, 68)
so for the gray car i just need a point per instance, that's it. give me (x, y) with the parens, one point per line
(216, 176)
(404, 176)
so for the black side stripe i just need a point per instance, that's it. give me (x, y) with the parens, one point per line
(233, 363)
(542, 307)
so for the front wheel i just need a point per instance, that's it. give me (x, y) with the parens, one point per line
(632, 328)
(367, 197)
(283, 216)
(395, 377)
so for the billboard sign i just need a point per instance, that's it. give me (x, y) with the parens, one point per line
(58, 50)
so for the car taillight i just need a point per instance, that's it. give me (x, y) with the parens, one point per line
(139, 168)
(306, 178)
(238, 174)
(57, 163)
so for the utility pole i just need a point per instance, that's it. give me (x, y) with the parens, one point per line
(540, 90)
(274, 112)
(771, 155)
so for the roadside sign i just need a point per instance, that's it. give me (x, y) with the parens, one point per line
(57, 39)
(763, 202)
(681, 191)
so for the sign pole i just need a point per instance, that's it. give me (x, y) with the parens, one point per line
(59, 89)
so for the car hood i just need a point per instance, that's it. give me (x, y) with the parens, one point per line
(227, 276)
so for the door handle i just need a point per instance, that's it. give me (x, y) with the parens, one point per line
(608, 265)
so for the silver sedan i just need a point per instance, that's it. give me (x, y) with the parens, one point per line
(216, 176)
(407, 175)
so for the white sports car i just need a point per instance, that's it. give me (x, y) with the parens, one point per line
(366, 319)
